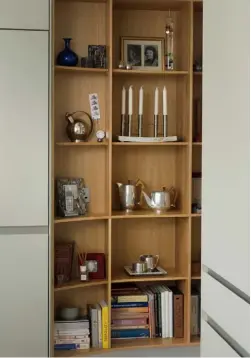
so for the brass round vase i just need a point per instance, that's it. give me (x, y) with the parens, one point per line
(79, 127)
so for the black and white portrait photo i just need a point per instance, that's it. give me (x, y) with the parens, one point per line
(143, 53)
(134, 54)
(151, 56)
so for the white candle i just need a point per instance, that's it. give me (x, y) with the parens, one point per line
(141, 93)
(156, 102)
(164, 102)
(130, 105)
(123, 110)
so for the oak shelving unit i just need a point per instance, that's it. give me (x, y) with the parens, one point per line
(175, 235)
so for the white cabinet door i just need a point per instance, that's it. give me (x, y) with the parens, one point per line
(24, 98)
(24, 295)
(24, 14)
(212, 345)
(225, 153)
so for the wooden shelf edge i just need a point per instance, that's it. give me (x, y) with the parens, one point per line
(196, 215)
(82, 144)
(77, 284)
(80, 69)
(121, 276)
(149, 73)
(168, 144)
(145, 214)
(87, 217)
(130, 344)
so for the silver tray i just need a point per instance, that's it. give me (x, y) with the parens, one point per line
(159, 272)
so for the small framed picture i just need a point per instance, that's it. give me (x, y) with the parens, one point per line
(143, 53)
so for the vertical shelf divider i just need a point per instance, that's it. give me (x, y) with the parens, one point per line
(190, 148)
(109, 25)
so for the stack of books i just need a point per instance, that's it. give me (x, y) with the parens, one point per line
(70, 335)
(129, 313)
(147, 311)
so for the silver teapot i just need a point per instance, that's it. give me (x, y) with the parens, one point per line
(161, 201)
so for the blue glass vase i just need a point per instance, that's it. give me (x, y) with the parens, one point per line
(67, 57)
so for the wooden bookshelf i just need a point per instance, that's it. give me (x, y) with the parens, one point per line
(174, 235)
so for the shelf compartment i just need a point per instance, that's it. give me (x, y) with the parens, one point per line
(80, 69)
(196, 246)
(91, 165)
(87, 217)
(148, 73)
(166, 238)
(128, 22)
(178, 106)
(77, 284)
(82, 144)
(157, 167)
(93, 295)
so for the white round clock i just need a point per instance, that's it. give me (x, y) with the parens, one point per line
(100, 134)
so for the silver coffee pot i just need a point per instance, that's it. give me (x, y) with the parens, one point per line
(150, 260)
(130, 194)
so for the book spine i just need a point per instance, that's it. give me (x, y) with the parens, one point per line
(194, 315)
(80, 332)
(71, 346)
(131, 333)
(71, 337)
(156, 315)
(94, 327)
(152, 317)
(178, 315)
(117, 314)
(159, 314)
(99, 328)
(72, 341)
(129, 322)
(170, 313)
(129, 299)
(130, 310)
(105, 327)
(71, 326)
(130, 327)
(129, 304)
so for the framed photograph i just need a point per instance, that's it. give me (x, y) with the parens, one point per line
(143, 53)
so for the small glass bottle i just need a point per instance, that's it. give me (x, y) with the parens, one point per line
(169, 58)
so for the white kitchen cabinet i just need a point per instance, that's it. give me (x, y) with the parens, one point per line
(212, 343)
(225, 299)
(225, 152)
(24, 14)
(24, 295)
(24, 137)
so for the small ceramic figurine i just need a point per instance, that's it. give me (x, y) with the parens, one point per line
(121, 65)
